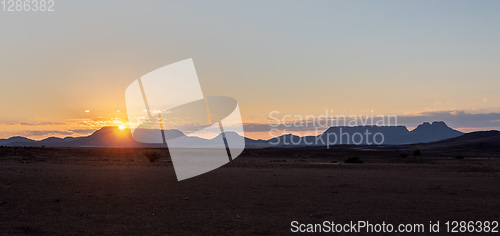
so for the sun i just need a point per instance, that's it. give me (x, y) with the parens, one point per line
(121, 127)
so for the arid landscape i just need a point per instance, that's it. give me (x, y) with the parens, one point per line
(249, 117)
(46, 190)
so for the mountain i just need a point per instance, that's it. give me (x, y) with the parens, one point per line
(115, 137)
(344, 135)
(480, 140)
(436, 131)
(370, 135)
(16, 139)
(106, 137)
(54, 140)
(391, 135)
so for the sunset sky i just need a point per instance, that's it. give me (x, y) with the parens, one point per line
(64, 73)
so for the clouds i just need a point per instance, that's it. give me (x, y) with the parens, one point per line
(82, 131)
(47, 133)
(31, 123)
(457, 119)
(58, 133)
(462, 120)
(41, 128)
(39, 123)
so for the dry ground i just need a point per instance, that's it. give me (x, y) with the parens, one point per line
(118, 191)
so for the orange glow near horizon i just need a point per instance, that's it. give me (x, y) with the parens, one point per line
(42, 128)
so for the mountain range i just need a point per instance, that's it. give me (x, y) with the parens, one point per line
(437, 132)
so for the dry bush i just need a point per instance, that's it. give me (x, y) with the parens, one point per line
(417, 153)
(356, 160)
(153, 155)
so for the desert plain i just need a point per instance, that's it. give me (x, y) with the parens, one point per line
(119, 191)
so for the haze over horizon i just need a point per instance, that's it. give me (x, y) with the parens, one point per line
(65, 73)
(117, 136)
(119, 132)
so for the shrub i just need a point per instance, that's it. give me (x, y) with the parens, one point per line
(353, 160)
(417, 153)
(459, 157)
(153, 155)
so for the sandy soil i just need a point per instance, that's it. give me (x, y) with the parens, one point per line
(118, 191)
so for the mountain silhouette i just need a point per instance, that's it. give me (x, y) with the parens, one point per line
(370, 135)
(16, 139)
(106, 137)
(345, 135)
(436, 131)
(392, 134)
(479, 140)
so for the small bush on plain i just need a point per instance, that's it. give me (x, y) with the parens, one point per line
(356, 160)
(153, 155)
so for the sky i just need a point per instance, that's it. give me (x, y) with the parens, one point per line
(64, 73)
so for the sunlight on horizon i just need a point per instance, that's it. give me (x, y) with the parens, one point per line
(393, 57)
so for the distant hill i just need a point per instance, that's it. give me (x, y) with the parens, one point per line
(105, 137)
(480, 140)
(16, 139)
(391, 134)
(370, 135)
(380, 135)
(438, 130)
